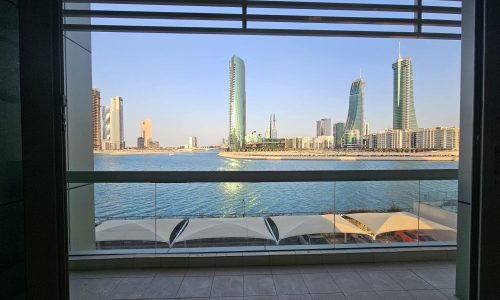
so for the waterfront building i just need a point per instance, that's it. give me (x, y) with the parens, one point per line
(324, 127)
(153, 144)
(437, 138)
(403, 115)
(366, 128)
(352, 139)
(355, 115)
(338, 132)
(106, 128)
(116, 122)
(96, 119)
(147, 131)
(192, 142)
(237, 104)
(271, 130)
(324, 142)
(140, 142)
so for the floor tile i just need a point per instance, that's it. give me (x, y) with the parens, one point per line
(307, 269)
(200, 272)
(438, 278)
(427, 295)
(228, 271)
(408, 280)
(224, 286)
(268, 297)
(176, 272)
(258, 285)
(450, 293)
(350, 282)
(257, 270)
(334, 296)
(379, 281)
(295, 297)
(395, 295)
(163, 287)
(130, 288)
(285, 269)
(195, 287)
(290, 284)
(320, 283)
(227, 298)
(362, 296)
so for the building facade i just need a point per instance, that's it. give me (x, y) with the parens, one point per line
(355, 115)
(237, 104)
(403, 115)
(116, 123)
(147, 131)
(437, 138)
(338, 133)
(140, 142)
(192, 142)
(324, 127)
(96, 119)
(106, 128)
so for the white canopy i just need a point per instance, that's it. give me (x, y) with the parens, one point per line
(209, 228)
(136, 230)
(289, 226)
(386, 222)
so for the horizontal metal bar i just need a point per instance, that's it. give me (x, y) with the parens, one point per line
(286, 5)
(258, 31)
(257, 18)
(257, 176)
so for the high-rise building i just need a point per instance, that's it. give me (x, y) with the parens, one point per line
(116, 121)
(140, 142)
(366, 128)
(146, 131)
(271, 130)
(355, 115)
(193, 142)
(96, 119)
(324, 127)
(237, 103)
(403, 115)
(106, 128)
(338, 132)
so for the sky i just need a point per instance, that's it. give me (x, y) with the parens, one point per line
(181, 82)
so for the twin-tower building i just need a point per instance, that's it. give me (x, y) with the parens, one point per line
(403, 115)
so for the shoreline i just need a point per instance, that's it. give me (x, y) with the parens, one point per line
(144, 152)
(362, 156)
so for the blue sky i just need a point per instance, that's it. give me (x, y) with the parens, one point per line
(181, 82)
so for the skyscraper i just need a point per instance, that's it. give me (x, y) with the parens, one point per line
(96, 119)
(403, 115)
(116, 122)
(271, 130)
(237, 103)
(106, 128)
(355, 116)
(324, 127)
(192, 142)
(338, 131)
(146, 132)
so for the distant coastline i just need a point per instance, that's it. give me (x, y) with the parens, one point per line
(148, 151)
(343, 156)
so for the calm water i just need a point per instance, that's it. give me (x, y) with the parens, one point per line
(219, 199)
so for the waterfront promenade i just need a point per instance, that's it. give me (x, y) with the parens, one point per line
(343, 156)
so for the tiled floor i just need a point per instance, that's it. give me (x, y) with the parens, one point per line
(423, 280)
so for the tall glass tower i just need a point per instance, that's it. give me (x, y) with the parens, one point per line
(403, 113)
(355, 116)
(237, 103)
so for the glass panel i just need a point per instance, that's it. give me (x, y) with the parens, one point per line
(438, 211)
(381, 212)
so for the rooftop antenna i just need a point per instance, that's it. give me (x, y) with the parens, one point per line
(360, 73)
(399, 50)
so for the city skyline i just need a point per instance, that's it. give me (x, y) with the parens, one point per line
(300, 91)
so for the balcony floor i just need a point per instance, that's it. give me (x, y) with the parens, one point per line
(402, 280)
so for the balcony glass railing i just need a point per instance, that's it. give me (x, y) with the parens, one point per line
(171, 212)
